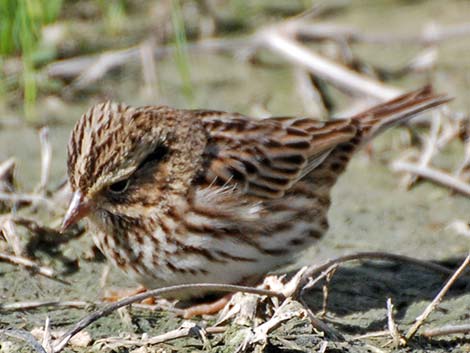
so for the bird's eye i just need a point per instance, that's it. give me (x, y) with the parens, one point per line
(119, 186)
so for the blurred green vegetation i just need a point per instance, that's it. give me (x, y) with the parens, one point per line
(20, 31)
(114, 14)
(181, 54)
(35, 33)
(21, 22)
(22, 25)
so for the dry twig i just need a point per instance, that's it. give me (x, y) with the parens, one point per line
(32, 266)
(372, 335)
(47, 338)
(434, 175)
(447, 330)
(429, 148)
(29, 198)
(181, 332)
(108, 309)
(36, 304)
(25, 336)
(432, 34)
(310, 95)
(377, 255)
(325, 290)
(46, 157)
(149, 69)
(392, 327)
(303, 287)
(323, 347)
(259, 335)
(7, 171)
(276, 39)
(430, 308)
(8, 229)
(90, 68)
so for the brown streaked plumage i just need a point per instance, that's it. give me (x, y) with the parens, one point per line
(184, 196)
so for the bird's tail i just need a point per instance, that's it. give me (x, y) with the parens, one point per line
(379, 118)
(369, 124)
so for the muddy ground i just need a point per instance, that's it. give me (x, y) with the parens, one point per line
(370, 211)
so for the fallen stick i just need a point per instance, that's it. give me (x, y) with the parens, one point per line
(73, 67)
(46, 158)
(382, 333)
(447, 330)
(430, 148)
(30, 265)
(25, 336)
(103, 62)
(108, 309)
(434, 175)
(298, 294)
(31, 305)
(392, 326)
(433, 305)
(376, 255)
(7, 169)
(165, 337)
(89, 69)
(35, 199)
(9, 232)
(430, 35)
(275, 39)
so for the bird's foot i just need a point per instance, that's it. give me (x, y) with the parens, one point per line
(114, 295)
(206, 308)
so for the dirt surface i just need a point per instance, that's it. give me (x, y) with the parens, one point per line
(370, 211)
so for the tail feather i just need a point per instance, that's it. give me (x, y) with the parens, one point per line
(379, 118)
(369, 124)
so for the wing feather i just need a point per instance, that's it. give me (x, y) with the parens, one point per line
(266, 157)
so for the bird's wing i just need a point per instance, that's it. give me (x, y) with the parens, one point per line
(266, 157)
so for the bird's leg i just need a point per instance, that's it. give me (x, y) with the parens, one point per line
(214, 307)
(207, 308)
(114, 295)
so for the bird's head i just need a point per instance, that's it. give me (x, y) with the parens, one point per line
(131, 161)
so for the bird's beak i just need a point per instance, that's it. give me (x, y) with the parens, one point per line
(79, 207)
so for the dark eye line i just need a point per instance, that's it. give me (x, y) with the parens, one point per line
(155, 156)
